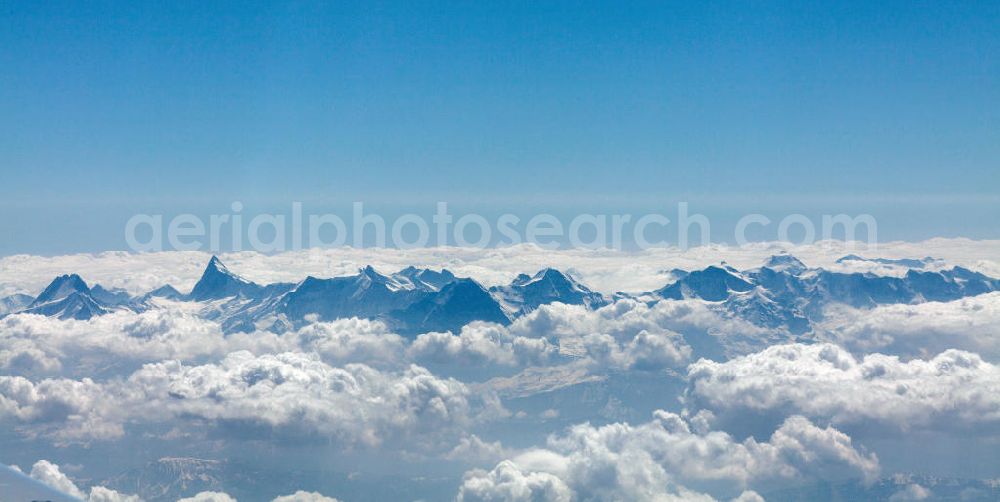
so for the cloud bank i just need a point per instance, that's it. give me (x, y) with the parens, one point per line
(954, 390)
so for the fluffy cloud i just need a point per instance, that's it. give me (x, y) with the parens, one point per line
(627, 335)
(27, 356)
(102, 494)
(481, 344)
(49, 474)
(118, 343)
(659, 459)
(290, 392)
(646, 351)
(304, 496)
(354, 403)
(474, 450)
(909, 493)
(922, 330)
(62, 409)
(209, 497)
(506, 482)
(705, 330)
(954, 390)
(626, 318)
(350, 340)
(37, 345)
(749, 496)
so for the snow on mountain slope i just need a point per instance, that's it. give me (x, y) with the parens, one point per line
(15, 302)
(527, 293)
(783, 294)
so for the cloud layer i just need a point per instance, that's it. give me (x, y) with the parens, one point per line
(659, 459)
(291, 393)
(954, 390)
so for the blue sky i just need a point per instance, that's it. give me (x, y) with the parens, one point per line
(113, 108)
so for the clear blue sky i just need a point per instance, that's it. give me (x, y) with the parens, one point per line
(108, 108)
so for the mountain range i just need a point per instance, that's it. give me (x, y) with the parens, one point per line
(782, 293)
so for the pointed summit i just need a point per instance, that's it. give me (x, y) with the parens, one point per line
(368, 276)
(67, 297)
(218, 282)
(785, 262)
(556, 282)
(548, 285)
(61, 287)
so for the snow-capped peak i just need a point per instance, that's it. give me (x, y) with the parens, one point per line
(218, 282)
(61, 287)
(785, 263)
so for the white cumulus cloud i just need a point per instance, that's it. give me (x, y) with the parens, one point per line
(661, 459)
(954, 390)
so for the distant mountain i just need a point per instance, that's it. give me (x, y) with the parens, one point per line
(67, 297)
(169, 292)
(714, 284)
(368, 294)
(411, 301)
(14, 303)
(60, 288)
(457, 304)
(170, 478)
(426, 279)
(785, 263)
(783, 294)
(114, 296)
(218, 282)
(549, 285)
(79, 306)
(902, 262)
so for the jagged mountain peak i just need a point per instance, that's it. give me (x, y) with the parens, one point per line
(215, 265)
(77, 305)
(553, 274)
(218, 282)
(560, 281)
(546, 274)
(713, 283)
(458, 303)
(785, 262)
(549, 285)
(61, 287)
(424, 278)
(368, 276)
